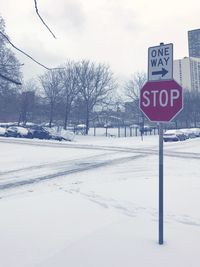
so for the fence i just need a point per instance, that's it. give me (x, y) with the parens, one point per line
(120, 132)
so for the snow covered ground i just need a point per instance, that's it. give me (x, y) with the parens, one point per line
(93, 203)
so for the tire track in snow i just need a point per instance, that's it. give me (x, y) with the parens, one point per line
(64, 169)
(149, 151)
(52, 164)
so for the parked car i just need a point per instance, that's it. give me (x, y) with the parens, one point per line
(189, 133)
(67, 135)
(2, 131)
(38, 132)
(17, 131)
(173, 136)
(196, 131)
(61, 134)
(53, 134)
(56, 137)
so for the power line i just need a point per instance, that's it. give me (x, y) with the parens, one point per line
(36, 8)
(21, 51)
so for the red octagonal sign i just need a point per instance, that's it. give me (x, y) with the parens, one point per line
(161, 101)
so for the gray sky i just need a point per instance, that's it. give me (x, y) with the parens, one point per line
(117, 32)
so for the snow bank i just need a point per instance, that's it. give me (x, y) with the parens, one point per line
(103, 217)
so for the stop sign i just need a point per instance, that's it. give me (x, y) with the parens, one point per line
(161, 101)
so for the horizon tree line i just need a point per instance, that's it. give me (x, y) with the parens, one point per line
(75, 92)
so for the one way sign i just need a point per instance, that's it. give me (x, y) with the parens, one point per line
(160, 62)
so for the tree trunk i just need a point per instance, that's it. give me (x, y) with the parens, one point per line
(195, 120)
(87, 121)
(19, 120)
(66, 117)
(51, 115)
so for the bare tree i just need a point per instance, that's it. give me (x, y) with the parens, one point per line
(69, 81)
(134, 85)
(27, 99)
(10, 79)
(9, 65)
(52, 89)
(95, 82)
(132, 91)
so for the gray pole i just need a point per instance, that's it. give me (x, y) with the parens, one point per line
(161, 183)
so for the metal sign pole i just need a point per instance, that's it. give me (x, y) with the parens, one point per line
(161, 183)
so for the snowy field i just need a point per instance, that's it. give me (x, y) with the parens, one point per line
(93, 202)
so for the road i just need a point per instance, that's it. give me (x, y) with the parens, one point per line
(109, 155)
(53, 196)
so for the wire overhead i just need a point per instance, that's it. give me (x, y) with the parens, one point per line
(21, 51)
(36, 8)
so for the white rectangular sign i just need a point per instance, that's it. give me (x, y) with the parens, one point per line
(160, 62)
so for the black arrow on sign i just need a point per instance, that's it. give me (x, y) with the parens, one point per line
(163, 72)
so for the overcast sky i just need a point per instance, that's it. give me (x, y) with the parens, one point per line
(117, 32)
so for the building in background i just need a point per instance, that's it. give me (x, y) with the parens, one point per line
(194, 43)
(181, 72)
(187, 70)
(187, 73)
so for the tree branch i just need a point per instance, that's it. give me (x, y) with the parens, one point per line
(36, 8)
(10, 66)
(9, 79)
